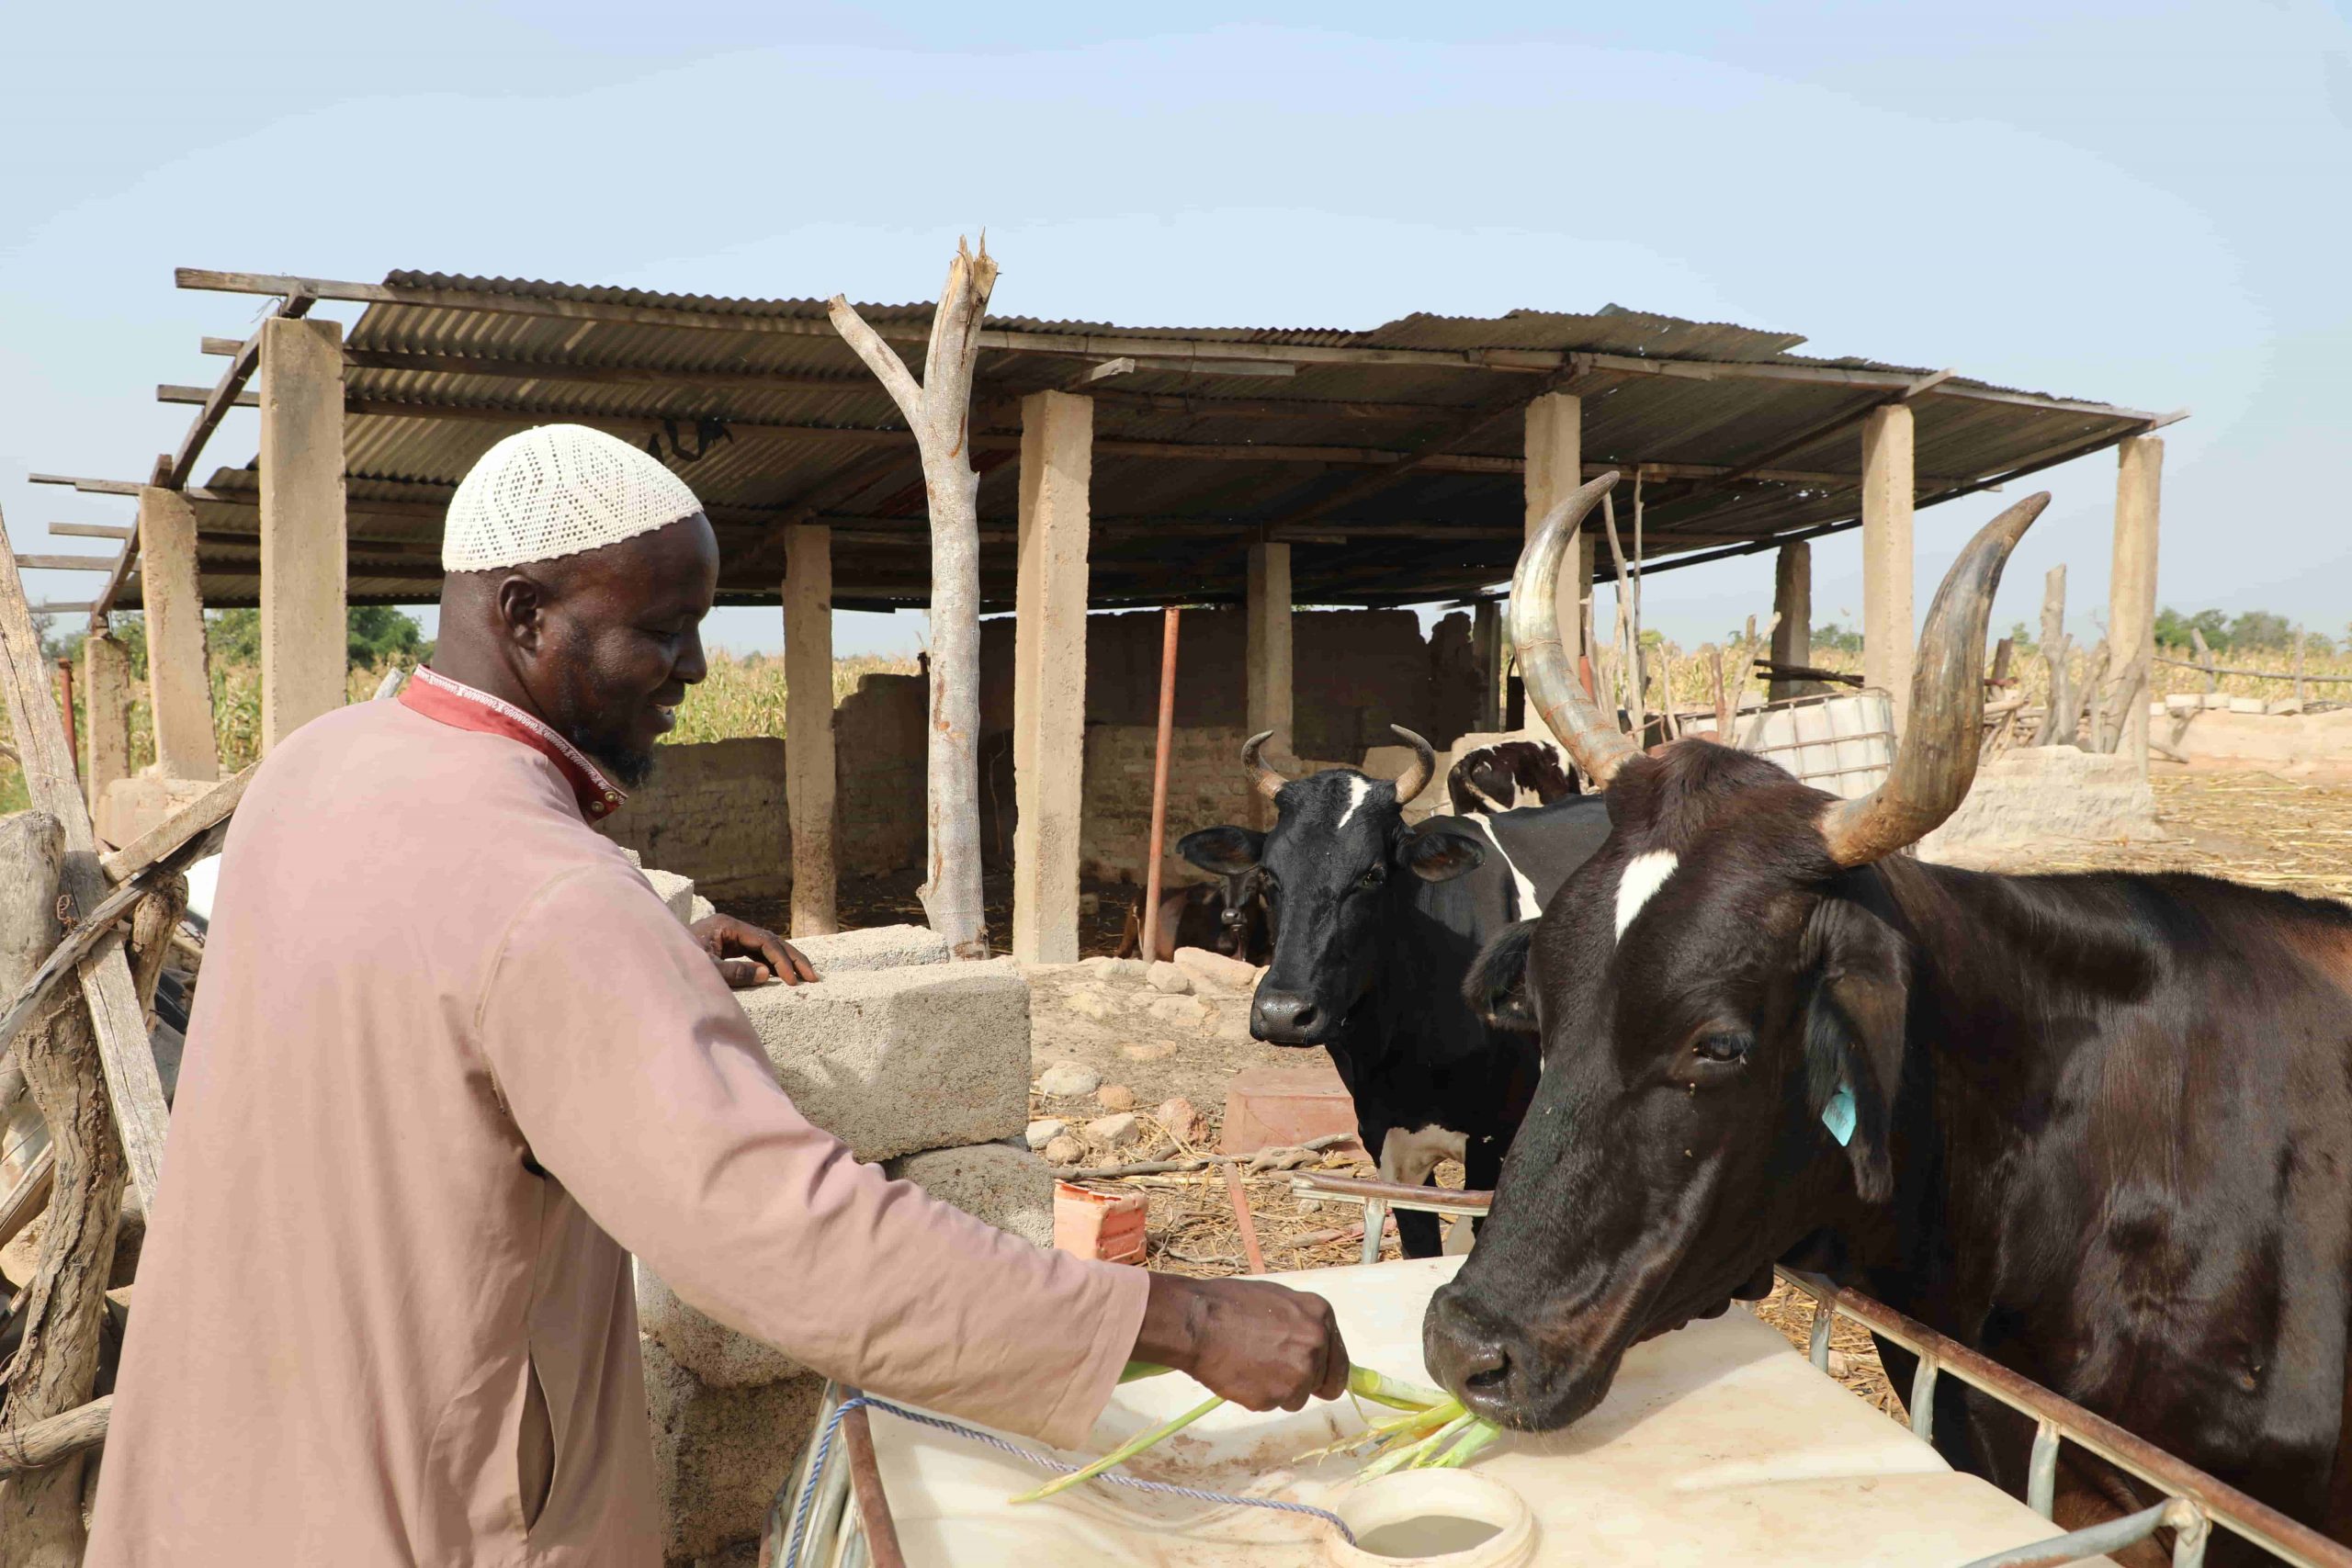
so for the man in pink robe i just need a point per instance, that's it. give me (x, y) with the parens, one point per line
(451, 1062)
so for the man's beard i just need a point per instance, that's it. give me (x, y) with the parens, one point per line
(627, 769)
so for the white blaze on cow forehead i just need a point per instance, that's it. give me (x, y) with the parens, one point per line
(1645, 875)
(1359, 791)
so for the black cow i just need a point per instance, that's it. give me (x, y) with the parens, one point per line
(1228, 916)
(1495, 778)
(1376, 926)
(2097, 1127)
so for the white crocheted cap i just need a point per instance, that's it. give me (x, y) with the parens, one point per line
(557, 491)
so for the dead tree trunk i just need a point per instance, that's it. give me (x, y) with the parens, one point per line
(2058, 714)
(40, 1512)
(939, 410)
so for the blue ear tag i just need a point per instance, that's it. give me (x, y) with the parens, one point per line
(1839, 1115)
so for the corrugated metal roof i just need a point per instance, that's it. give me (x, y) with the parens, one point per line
(768, 420)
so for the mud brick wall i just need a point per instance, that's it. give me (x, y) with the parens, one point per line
(1206, 787)
(878, 750)
(713, 812)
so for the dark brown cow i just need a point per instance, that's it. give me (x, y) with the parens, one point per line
(2099, 1127)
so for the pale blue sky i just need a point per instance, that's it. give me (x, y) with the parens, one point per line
(2145, 203)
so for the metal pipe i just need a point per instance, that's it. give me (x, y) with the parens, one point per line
(1160, 782)
(2041, 1471)
(2257, 1521)
(1817, 1347)
(2094, 1541)
(1923, 1399)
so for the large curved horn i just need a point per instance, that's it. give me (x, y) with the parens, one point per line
(1420, 771)
(1935, 761)
(1263, 778)
(1547, 667)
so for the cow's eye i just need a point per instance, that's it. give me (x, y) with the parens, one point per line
(1373, 877)
(1724, 1047)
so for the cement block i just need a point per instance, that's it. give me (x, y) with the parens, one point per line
(2040, 793)
(720, 1454)
(701, 910)
(677, 892)
(875, 947)
(935, 1055)
(2245, 704)
(1008, 1188)
(714, 1354)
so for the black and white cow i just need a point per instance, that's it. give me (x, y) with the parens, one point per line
(1376, 926)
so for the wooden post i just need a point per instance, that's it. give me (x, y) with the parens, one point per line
(133, 1087)
(304, 641)
(2058, 717)
(1157, 848)
(1889, 626)
(179, 689)
(809, 758)
(1268, 654)
(2299, 669)
(40, 1512)
(1486, 653)
(1050, 673)
(65, 706)
(105, 717)
(2132, 585)
(1793, 602)
(939, 410)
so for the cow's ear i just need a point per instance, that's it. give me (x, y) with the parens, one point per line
(1437, 854)
(1227, 851)
(1859, 976)
(1497, 988)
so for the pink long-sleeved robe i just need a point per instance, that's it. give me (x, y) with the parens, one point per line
(451, 1061)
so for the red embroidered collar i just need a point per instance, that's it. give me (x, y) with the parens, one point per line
(453, 703)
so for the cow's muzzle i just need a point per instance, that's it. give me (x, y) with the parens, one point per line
(1289, 1018)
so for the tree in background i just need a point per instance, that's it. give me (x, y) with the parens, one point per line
(1836, 639)
(374, 634)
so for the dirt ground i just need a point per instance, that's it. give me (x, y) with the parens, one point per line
(2253, 827)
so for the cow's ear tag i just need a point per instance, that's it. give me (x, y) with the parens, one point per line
(1839, 1115)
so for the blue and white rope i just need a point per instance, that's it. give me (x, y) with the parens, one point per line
(1043, 1461)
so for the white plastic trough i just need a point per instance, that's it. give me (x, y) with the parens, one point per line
(1717, 1444)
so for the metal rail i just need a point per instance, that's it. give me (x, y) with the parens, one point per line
(2195, 1502)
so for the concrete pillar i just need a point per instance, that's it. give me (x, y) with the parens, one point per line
(106, 708)
(1050, 673)
(2132, 584)
(1269, 660)
(1487, 651)
(1792, 599)
(1554, 467)
(303, 639)
(1889, 626)
(808, 776)
(179, 683)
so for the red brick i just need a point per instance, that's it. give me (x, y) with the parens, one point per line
(1278, 1107)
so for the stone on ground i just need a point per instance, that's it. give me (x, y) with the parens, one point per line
(1068, 1080)
(1008, 1188)
(1044, 1131)
(1090, 1001)
(1215, 969)
(1149, 1051)
(720, 1454)
(1116, 1097)
(1116, 1132)
(1182, 1121)
(933, 1055)
(876, 947)
(1169, 978)
(1117, 968)
(1063, 1150)
(1182, 1011)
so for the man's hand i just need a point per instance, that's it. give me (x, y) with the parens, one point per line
(746, 955)
(1257, 1344)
